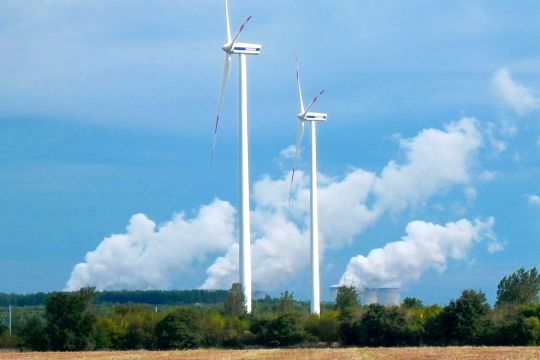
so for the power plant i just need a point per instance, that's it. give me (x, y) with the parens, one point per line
(367, 296)
(388, 296)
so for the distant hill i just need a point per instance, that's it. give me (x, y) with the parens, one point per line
(153, 297)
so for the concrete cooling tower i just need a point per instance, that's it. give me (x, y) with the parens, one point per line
(388, 296)
(368, 296)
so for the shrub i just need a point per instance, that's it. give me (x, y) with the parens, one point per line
(382, 326)
(34, 334)
(284, 330)
(325, 327)
(180, 329)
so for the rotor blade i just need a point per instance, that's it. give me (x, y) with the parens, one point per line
(290, 191)
(299, 86)
(241, 29)
(299, 137)
(314, 101)
(228, 22)
(226, 72)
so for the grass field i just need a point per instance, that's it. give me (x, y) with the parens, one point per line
(469, 353)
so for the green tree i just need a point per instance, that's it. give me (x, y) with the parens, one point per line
(181, 329)
(325, 327)
(70, 320)
(347, 297)
(530, 329)
(286, 302)
(526, 330)
(285, 330)
(236, 332)
(423, 324)
(411, 303)
(34, 334)
(107, 333)
(521, 287)
(235, 304)
(127, 327)
(381, 326)
(348, 320)
(464, 321)
(213, 327)
(139, 335)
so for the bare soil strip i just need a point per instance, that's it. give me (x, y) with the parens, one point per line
(468, 353)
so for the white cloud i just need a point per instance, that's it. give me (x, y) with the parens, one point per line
(343, 211)
(534, 200)
(224, 271)
(425, 246)
(498, 145)
(495, 246)
(519, 98)
(507, 128)
(280, 248)
(470, 193)
(435, 160)
(487, 175)
(148, 256)
(458, 209)
(288, 153)
(280, 236)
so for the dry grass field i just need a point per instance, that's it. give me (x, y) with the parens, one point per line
(469, 353)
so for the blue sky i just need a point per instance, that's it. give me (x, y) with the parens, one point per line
(106, 111)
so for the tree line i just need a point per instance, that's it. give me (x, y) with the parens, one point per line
(73, 321)
(153, 297)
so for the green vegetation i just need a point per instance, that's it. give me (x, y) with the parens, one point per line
(521, 287)
(235, 304)
(78, 321)
(346, 298)
(70, 320)
(152, 297)
(181, 329)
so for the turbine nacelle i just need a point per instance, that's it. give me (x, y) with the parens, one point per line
(312, 116)
(232, 47)
(304, 115)
(242, 48)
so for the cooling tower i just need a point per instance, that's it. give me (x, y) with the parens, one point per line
(388, 296)
(367, 296)
(333, 292)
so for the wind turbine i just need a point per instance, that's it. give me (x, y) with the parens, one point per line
(313, 117)
(242, 49)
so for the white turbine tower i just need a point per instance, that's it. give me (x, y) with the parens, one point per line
(241, 49)
(313, 117)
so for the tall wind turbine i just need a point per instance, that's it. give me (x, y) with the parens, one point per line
(242, 49)
(313, 117)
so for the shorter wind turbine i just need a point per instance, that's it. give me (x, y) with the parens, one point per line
(313, 117)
